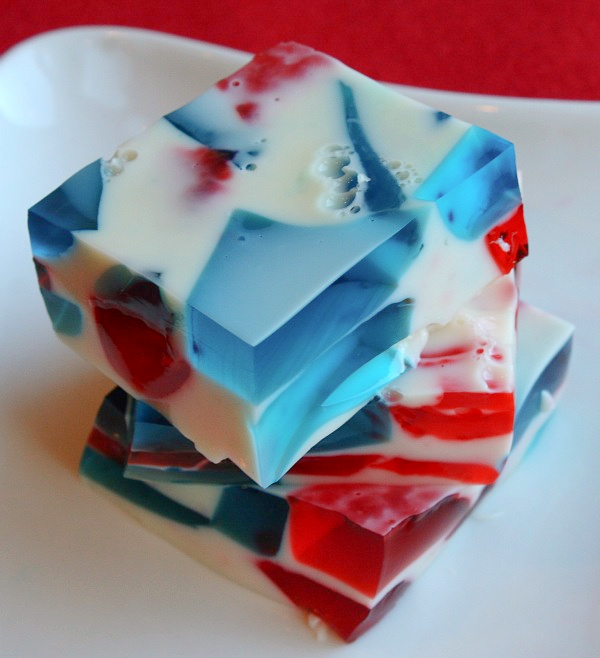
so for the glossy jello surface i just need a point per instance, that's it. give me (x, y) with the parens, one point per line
(259, 264)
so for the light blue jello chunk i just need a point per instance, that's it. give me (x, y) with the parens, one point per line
(304, 288)
(475, 184)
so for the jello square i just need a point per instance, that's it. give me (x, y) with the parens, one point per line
(253, 263)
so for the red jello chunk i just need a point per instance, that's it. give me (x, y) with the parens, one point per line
(135, 327)
(508, 243)
(346, 617)
(459, 416)
(365, 535)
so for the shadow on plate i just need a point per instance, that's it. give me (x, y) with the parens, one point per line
(59, 416)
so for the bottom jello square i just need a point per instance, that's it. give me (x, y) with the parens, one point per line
(342, 551)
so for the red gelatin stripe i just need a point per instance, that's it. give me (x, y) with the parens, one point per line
(346, 617)
(507, 242)
(336, 465)
(345, 465)
(366, 534)
(459, 416)
(188, 460)
(458, 472)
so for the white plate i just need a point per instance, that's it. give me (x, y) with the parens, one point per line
(78, 578)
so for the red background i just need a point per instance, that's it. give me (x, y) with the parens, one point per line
(538, 48)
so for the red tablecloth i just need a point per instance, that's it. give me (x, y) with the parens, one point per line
(537, 48)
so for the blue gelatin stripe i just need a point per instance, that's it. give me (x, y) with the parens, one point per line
(73, 206)
(221, 474)
(158, 437)
(66, 316)
(109, 474)
(475, 185)
(252, 518)
(144, 413)
(189, 119)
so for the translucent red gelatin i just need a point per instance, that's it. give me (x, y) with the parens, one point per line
(346, 465)
(456, 471)
(135, 329)
(346, 617)
(459, 416)
(365, 535)
(339, 465)
(508, 242)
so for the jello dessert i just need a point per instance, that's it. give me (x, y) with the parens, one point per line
(303, 285)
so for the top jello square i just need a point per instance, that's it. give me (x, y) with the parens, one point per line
(261, 263)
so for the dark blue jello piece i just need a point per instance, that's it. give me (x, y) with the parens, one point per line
(252, 517)
(71, 207)
(383, 192)
(114, 416)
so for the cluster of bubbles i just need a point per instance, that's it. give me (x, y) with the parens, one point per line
(344, 183)
(406, 175)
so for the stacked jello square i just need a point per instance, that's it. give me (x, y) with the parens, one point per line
(303, 285)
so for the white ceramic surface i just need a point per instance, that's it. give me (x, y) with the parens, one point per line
(78, 578)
